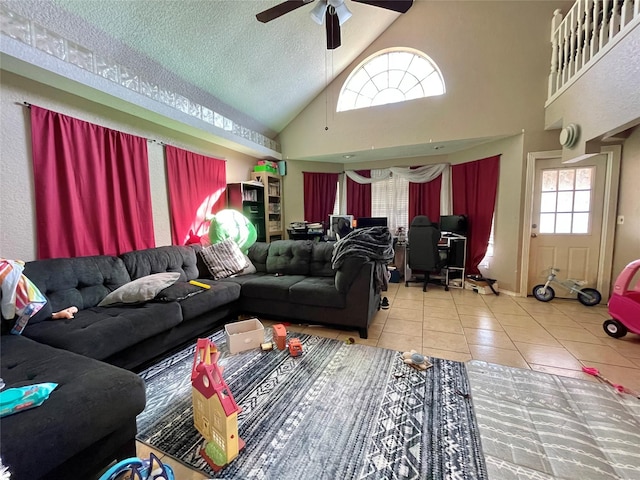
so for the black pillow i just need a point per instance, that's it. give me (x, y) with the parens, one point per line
(178, 291)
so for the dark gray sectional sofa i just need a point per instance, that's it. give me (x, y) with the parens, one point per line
(89, 420)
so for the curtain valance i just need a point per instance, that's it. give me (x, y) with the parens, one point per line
(422, 174)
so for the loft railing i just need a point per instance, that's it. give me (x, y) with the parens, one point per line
(583, 33)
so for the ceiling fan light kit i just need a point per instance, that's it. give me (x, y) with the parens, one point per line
(335, 11)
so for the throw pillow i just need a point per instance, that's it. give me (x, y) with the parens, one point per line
(250, 268)
(224, 259)
(141, 290)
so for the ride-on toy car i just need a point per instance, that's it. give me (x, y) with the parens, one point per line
(624, 304)
(586, 296)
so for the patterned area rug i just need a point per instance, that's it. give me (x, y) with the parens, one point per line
(337, 412)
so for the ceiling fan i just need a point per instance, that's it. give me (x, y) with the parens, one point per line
(333, 12)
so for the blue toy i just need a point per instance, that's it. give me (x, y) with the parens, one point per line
(136, 469)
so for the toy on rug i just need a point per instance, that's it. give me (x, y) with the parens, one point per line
(295, 347)
(416, 360)
(215, 412)
(136, 469)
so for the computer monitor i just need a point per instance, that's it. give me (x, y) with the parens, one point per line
(453, 224)
(341, 225)
(365, 222)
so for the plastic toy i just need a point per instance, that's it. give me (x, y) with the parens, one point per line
(280, 336)
(215, 412)
(136, 469)
(594, 371)
(416, 360)
(295, 347)
(586, 296)
(624, 304)
(14, 400)
(199, 284)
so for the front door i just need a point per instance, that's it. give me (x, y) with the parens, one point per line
(566, 222)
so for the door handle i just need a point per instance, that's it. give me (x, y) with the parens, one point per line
(534, 235)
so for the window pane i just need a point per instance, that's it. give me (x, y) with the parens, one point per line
(583, 178)
(433, 85)
(420, 67)
(548, 202)
(565, 202)
(381, 80)
(389, 95)
(580, 223)
(400, 60)
(408, 82)
(547, 222)
(369, 90)
(549, 180)
(358, 80)
(415, 92)
(563, 223)
(583, 199)
(377, 65)
(395, 77)
(565, 179)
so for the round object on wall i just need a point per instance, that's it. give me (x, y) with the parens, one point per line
(569, 135)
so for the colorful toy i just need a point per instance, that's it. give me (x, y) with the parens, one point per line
(295, 347)
(594, 371)
(280, 336)
(586, 296)
(624, 304)
(135, 469)
(416, 360)
(215, 412)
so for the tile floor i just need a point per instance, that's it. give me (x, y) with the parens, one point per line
(558, 337)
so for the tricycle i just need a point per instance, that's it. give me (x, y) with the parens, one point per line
(624, 304)
(586, 296)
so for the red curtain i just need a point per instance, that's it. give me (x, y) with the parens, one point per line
(196, 190)
(91, 188)
(474, 190)
(359, 196)
(424, 199)
(320, 191)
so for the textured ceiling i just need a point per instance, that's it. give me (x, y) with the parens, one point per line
(269, 72)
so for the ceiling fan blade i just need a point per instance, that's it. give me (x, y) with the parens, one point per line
(401, 6)
(333, 29)
(280, 9)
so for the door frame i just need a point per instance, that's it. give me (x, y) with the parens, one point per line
(609, 211)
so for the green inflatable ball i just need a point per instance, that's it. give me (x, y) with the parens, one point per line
(234, 225)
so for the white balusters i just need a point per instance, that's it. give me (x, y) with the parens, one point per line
(595, 31)
(627, 12)
(614, 20)
(604, 24)
(555, 53)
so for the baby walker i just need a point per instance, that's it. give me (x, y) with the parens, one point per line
(586, 296)
(624, 304)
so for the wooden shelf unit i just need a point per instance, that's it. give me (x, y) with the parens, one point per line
(248, 198)
(274, 216)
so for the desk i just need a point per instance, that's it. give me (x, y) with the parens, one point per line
(453, 254)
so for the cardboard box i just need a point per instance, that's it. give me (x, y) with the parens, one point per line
(480, 286)
(244, 335)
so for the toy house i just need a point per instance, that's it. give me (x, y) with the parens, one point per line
(215, 412)
(280, 336)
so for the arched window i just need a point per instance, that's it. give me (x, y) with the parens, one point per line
(391, 76)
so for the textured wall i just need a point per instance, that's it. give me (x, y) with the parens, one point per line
(17, 210)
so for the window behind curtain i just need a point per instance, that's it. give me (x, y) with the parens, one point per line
(390, 198)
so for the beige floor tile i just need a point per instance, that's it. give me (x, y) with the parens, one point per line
(380, 316)
(572, 333)
(401, 343)
(410, 293)
(573, 308)
(447, 354)
(510, 308)
(444, 341)
(629, 345)
(464, 297)
(502, 356)
(579, 374)
(439, 303)
(559, 319)
(405, 314)
(551, 356)
(435, 293)
(404, 327)
(478, 311)
(627, 377)
(485, 323)
(538, 307)
(440, 312)
(536, 335)
(407, 304)
(443, 325)
(515, 320)
(476, 336)
(587, 352)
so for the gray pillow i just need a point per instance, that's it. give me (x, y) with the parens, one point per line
(141, 290)
(224, 259)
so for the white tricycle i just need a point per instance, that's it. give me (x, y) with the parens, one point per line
(586, 296)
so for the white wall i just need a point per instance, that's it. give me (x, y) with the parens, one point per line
(17, 201)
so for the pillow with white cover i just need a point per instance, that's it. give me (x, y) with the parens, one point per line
(224, 259)
(141, 290)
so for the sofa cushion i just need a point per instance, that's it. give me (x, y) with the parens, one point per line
(173, 258)
(141, 289)
(80, 281)
(220, 293)
(320, 265)
(289, 257)
(258, 253)
(270, 287)
(317, 291)
(348, 272)
(92, 400)
(100, 332)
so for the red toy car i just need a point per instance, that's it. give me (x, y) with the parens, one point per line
(624, 305)
(295, 347)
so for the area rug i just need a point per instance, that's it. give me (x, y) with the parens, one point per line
(339, 411)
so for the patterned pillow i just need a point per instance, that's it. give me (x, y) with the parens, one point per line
(224, 259)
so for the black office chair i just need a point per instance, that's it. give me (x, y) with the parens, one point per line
(422, 251)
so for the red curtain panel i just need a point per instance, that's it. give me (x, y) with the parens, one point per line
(196, 186)
(92, 189)
(320, 191)
(474, 190)
(359, 196)
(424, 199)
